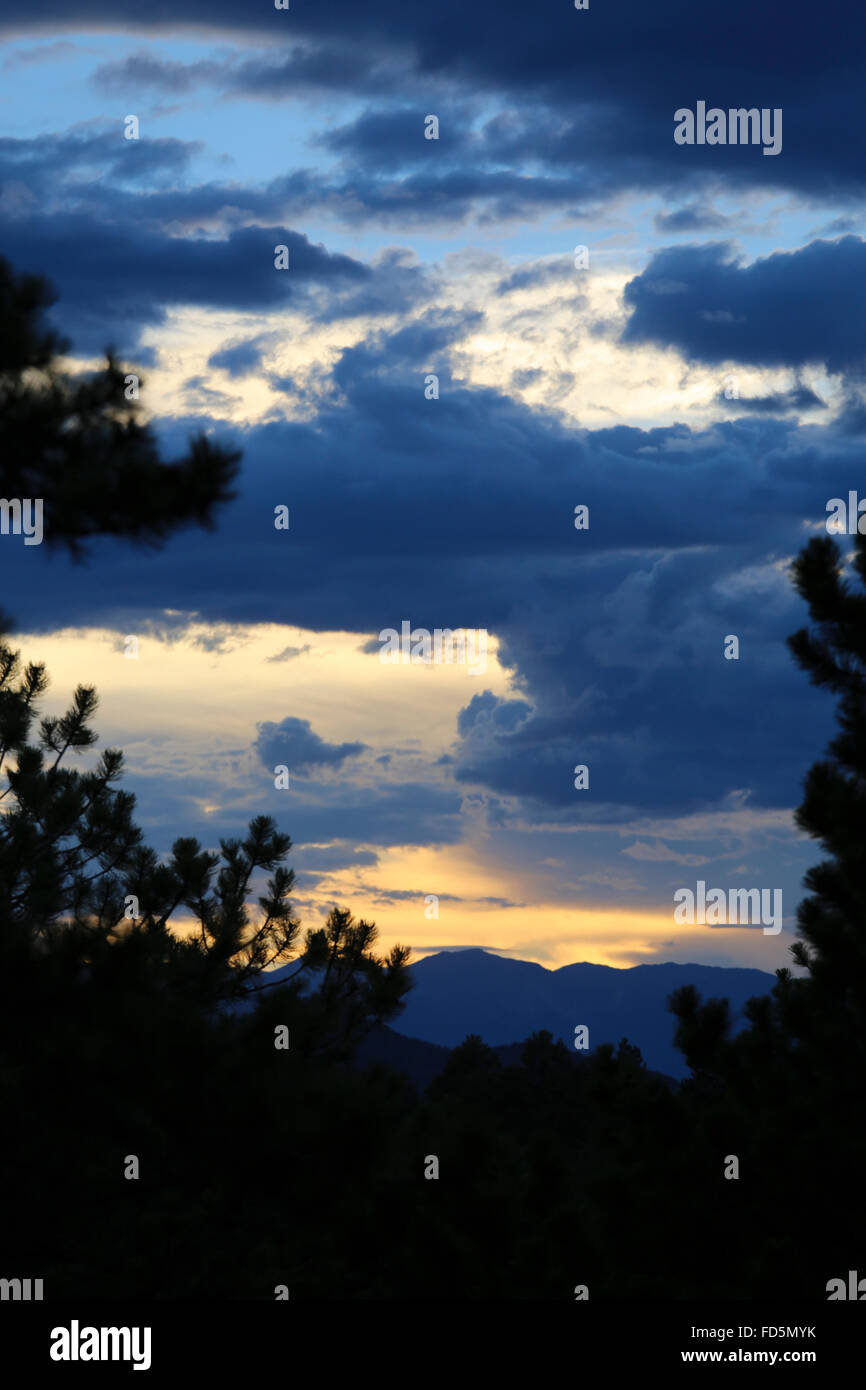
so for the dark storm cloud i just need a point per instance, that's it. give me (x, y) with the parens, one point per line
(788, 309)
(332, 64)
(318, 812)
(114, 280)
(459, 513)
(497, 716)
(296, 744)
(509, 39)
(388, 172)
(84, 173)
(379, 138)
(588, 96)
(120, 257)
(52, 159)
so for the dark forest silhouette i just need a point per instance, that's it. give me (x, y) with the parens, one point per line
(262, 1165)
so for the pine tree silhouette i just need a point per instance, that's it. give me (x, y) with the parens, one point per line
(786, 1093)
(77, 442)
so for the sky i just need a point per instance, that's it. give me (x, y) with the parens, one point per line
(669, 335)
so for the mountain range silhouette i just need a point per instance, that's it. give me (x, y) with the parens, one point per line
(505, 1001)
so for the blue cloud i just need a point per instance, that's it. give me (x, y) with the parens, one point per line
(462, 516)
(788, 309)
(239, 358)
(294, 743)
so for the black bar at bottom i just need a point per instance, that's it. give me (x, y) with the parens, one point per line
(254, 1339)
